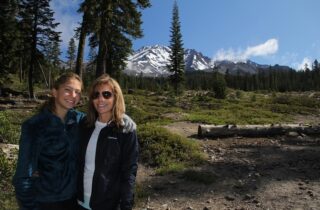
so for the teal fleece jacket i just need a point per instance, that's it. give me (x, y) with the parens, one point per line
(47, 161)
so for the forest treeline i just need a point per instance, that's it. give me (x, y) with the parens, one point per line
(271, 79)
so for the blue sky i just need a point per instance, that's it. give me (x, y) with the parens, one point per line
(284, 32)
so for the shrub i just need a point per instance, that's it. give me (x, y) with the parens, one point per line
(141, 116)
(239, 94)
(9, 133)
(253, 98)
(160, 148)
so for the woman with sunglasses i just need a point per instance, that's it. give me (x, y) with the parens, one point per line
(108, 151)
(45, 177)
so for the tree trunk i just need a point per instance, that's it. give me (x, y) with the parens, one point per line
(101, 64)
(82, 42)
(33, 58)
(105, 26)
(30, 78)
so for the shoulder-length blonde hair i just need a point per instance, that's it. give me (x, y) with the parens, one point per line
(118, 107)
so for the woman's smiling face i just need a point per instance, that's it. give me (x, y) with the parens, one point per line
(103, 102)
(67, 96)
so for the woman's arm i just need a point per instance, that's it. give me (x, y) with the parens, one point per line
(23, 179)
(129, 170)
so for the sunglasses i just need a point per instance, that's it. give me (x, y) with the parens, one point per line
(105, 95)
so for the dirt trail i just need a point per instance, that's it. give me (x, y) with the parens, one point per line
(251, 173)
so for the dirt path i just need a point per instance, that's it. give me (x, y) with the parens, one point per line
(251, 173)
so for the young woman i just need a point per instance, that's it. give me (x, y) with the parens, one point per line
(108, 150)
(45, 177)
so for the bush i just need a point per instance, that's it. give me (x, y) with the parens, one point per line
(160, 148)
(253, 98)
(141, 116)
(9, 133)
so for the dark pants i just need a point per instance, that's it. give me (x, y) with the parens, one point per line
(70, 204)
(81, 208)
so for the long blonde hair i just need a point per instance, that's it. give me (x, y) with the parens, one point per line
(118, 107)
(64, 78)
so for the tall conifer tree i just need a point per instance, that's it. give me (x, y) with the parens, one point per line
(9, 38)
(37, 26)
(71, 53)
(89, 24)
(176, 66)
(52, 54)
(118, 22)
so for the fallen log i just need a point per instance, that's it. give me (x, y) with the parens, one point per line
(5, 92)
(255, 130)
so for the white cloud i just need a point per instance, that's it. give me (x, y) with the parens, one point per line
(270, 47)
(302, 65)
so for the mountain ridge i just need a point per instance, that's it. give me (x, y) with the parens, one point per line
(153, 61)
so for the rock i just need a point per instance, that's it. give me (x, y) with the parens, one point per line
(310, 193)
(229, 198)
(248, 197)
(292, 134)
(165, 206)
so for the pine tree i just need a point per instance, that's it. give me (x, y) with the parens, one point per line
(118, 21)
(316, 74)
(52, 54)
(71, 53)
(219, 85)
(315, 65)
(9, 38)
(176, 66)
(92, 56)
(88, 24)
(37, 26)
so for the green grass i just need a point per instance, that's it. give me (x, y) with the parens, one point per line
(142, 192)
(10, 125)
(162, 149)
(250, 108)
(171, 168)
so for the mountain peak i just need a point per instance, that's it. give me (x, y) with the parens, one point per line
(153, 60)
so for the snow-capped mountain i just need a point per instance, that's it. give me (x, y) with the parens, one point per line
(149, 60)
(196, 61)
(153, 61)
